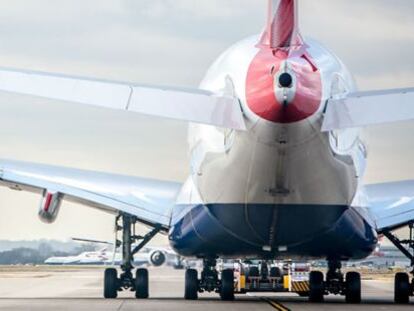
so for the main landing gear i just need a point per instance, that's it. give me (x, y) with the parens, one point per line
(335, 283)
(403, 288)
(351, 286)
(209, 281)
(126, 281)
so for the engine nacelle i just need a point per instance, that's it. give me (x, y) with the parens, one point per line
(49, 206)
(157, 258)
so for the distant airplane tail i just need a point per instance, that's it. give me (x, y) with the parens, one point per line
(282, 29)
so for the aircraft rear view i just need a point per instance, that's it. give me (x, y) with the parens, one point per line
(276, 166)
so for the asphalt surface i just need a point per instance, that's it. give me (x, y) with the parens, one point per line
(81, 289)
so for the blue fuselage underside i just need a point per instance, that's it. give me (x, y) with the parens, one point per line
(271, 231)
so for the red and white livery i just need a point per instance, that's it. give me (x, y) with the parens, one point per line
(276, 164)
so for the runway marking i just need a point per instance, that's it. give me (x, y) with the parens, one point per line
(277, 305)
(121, 305)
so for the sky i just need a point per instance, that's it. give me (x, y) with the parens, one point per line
(168, 42)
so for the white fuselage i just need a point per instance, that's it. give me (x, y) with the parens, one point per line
(291, 163)
(282, 187)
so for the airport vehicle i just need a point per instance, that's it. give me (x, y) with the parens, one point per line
(286, 277)
(276, 165)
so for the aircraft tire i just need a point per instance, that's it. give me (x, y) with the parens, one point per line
(141, 283)
(316, 286)
(110, 283)
(227, 285)
(191, 285)
(401, 288)
(353, 287)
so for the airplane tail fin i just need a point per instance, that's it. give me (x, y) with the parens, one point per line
(282, 29)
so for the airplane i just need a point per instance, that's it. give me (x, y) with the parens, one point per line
(148, 255)
(154, 256)
(151, 256)
(277, 165)
(84, 258)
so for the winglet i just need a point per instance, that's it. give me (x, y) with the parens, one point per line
(282, 25)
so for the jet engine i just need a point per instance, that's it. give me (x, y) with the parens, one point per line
(157, 258)
(49, 206)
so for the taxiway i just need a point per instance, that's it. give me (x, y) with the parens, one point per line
(72, 288)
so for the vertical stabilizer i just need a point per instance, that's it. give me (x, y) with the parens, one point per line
(282, 24)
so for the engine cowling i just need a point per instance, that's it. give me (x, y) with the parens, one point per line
(157, 258)
(49, 206)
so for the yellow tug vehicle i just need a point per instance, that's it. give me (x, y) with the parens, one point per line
(272, 277)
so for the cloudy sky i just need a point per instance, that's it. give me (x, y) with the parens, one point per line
(168, 42)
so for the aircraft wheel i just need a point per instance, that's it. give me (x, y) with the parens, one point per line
(191, 284)
(316, 286)
(141, 283)
(227, 285)
(353, 287)
(110, 283)
(401, 288)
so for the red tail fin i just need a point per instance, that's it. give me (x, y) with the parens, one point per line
(282, 25)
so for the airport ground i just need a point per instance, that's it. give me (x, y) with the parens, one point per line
(80, 288)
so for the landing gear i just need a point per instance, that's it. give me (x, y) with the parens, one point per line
(126, 281)
(209, 281)
(111, 283)
(191, 285)
(141, 283)
(209, 276)
(334, 278)
(316, 286)
(335, 284)
(227, 285)
(403, 289)
(353, 287)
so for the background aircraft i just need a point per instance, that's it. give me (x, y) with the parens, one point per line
(276, 164)
(85, 258)
(148, 256)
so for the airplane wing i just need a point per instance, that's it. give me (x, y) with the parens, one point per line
(362, 109)
(149, 200)
(391, 204)
(191, 105)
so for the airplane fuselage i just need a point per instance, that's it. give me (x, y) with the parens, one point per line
(283, 188)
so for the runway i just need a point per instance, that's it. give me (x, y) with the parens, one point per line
(68, 288)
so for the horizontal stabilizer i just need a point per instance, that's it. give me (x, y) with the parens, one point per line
(362, 109)
(191, 105)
